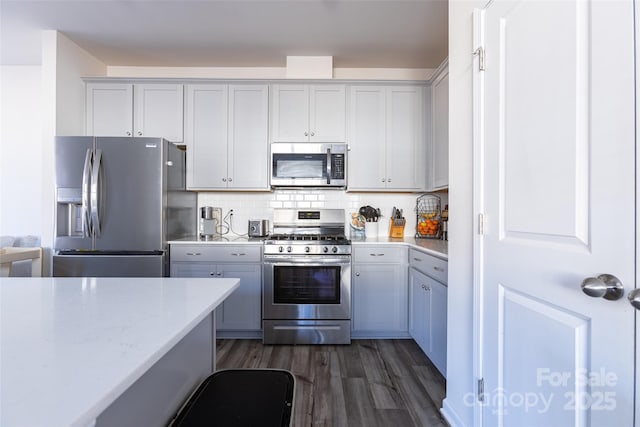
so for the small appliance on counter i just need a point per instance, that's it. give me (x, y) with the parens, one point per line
(209, 222)
(258, 227)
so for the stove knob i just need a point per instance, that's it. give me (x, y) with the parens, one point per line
(325, 249)
(289, 248)
(280, 249)
(334, 249)
(307, 249)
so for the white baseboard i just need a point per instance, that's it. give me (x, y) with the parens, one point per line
(450, 415)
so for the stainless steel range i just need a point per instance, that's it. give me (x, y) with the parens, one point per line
(307, 278)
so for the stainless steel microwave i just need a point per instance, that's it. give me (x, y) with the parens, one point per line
(306, 164)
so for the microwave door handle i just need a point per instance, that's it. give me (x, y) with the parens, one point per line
(328, 165)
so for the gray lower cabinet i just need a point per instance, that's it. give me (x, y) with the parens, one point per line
(240, 315)
(428, 306)
(379, 292)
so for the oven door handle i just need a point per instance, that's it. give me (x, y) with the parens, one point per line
(311, 327)
(310, 263)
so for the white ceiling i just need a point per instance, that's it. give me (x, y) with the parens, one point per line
(237, 33)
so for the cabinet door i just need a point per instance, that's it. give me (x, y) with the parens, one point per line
(438, 325)
(242, 309)
(192, 269)
(327, 113)
(159, 111)
(419, 302)
(366, 138)
(109, 109)
(440, 136)
(380, 298)
(290, 113)
(248, 136)
(206, 136)
(405, 138)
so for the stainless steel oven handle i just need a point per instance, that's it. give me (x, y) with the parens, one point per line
(308, 263)
(312, 327)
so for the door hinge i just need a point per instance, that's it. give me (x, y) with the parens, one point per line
(481, 223)
(481, 57)
(480, 389)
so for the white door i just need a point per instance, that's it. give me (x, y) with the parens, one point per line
(558, 194)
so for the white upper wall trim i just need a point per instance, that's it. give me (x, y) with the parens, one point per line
(266, 73)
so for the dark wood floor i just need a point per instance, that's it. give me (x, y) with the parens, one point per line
(368, 383)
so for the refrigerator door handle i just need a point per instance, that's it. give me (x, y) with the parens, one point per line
(86, 177)
(96, 193)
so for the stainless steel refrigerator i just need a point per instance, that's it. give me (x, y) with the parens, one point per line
(118, 202)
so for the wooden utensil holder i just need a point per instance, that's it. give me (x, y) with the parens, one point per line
(396, 228)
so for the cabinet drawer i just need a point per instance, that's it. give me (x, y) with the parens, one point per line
(429, 265)
(216, 253)
(379, 254)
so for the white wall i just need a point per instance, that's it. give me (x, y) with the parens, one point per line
(460, 381)
(20, 151)
(63, 65)
(267, 73)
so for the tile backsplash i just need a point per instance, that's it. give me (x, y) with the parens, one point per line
(257, 205)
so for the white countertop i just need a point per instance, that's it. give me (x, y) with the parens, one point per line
(71, 346)
(435, 247)
(226, 240)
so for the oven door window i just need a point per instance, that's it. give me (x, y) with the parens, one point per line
(300, 165)
(306, 284)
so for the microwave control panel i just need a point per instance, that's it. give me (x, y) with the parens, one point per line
(337, 166)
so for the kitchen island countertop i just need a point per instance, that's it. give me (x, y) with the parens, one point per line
(71, 346)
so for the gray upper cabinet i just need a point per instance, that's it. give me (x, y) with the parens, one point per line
(386, 138)
(439, 176)
(226, 130)
(124, 109)
(308, 113)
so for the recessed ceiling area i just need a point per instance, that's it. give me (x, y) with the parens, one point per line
(239, 33)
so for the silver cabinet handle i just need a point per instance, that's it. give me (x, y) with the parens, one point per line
(139, 133)
(357, 273)
(224, 179)
(238, 254)
(384, 180)
(230, 179)
(438, 269)
(606, 286)
(313, 133)
(213, 273)
(388, 179)
(306, 134)
(417, 259)
(128, 133)
(376, 254)
(193, 253)
(634, 298)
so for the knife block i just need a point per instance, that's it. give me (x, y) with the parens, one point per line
(396, 230)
